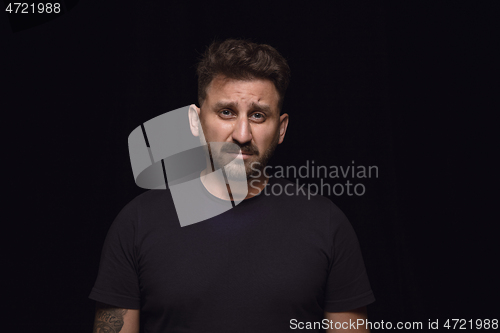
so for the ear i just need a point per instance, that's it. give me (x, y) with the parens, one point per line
(194, 120)
(283, 126)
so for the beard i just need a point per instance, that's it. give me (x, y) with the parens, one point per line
(250, 168)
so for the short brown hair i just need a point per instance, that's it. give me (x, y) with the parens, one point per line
(242, 60)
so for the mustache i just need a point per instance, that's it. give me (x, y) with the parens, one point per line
(245, 149)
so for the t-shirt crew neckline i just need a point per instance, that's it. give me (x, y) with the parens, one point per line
(222, 201)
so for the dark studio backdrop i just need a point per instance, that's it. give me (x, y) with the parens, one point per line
(393, 85)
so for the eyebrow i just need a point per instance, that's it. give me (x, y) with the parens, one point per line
(234, 105)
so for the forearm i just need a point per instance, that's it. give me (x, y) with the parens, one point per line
(341, 321)
(110, 319)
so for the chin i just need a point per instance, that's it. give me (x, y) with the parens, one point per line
(235, 172)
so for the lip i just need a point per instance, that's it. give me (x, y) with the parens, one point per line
(243, 155)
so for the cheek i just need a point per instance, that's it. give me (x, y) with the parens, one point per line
(212, 128)
(219, 130)
(264, 138)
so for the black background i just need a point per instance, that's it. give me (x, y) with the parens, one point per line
(405, 87)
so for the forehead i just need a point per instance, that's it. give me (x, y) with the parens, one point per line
(252, 91)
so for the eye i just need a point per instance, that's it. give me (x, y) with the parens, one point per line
(259, 117)
(225, 113)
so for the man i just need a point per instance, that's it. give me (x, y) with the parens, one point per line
(273, 263)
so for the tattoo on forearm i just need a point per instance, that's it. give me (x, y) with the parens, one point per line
(109, 320)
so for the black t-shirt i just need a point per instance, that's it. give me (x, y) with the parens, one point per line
(254, 268)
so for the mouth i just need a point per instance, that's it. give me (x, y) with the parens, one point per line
(243, 155)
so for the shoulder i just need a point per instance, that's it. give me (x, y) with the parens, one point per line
(150, 198)
(302, 197)
(148, 203)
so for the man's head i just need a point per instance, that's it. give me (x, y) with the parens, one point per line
(242, 60)
(241, 87)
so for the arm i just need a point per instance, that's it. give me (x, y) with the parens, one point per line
(344, 317)
(110, 319)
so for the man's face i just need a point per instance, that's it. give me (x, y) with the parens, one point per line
(244, 113)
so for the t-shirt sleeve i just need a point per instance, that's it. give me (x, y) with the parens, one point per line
(347, 286)
(117, 282)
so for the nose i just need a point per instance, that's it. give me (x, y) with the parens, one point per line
(242, 133)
